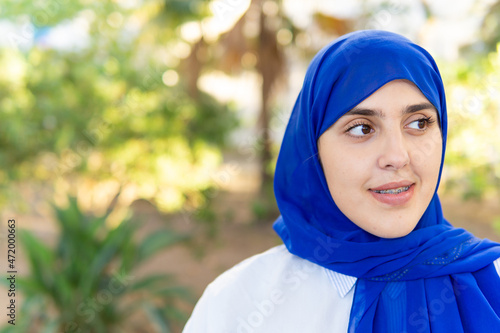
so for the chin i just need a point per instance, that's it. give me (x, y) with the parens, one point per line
(393, 231)
(393, 234)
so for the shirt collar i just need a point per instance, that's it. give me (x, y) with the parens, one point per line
(343, 283)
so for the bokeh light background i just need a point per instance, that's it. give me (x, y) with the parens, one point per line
(177, 108)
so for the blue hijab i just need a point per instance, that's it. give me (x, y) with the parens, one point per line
(437, 278)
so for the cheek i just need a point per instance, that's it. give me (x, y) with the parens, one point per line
(346, 171)
(436, 142)
(426, 158)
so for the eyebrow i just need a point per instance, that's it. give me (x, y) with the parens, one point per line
(376, 112)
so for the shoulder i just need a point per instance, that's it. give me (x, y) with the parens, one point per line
(274, 265)
(265, 275)
(497, 265)
(270, 292)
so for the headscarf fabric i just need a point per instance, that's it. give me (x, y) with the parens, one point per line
(435, 279)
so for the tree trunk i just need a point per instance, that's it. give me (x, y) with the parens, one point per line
(270, 61)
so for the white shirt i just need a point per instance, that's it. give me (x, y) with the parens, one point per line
(276, 291)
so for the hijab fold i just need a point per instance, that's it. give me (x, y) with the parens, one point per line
(437, 278)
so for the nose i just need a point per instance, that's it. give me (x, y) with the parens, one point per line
(394, 153)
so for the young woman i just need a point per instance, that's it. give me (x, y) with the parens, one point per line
(366, 246)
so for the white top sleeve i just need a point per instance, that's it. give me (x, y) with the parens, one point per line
(261, 295)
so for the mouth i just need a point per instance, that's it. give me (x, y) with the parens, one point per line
(393, 191)
(394, 194)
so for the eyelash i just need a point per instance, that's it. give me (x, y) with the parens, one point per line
(356, 124)
(428, 121)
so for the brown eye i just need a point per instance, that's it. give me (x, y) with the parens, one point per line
(360, 130)
(420, 124)
(365, 129)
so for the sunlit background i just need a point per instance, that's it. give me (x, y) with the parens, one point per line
(139, 138)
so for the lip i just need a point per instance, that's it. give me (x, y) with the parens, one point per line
(393, 185)
(394, 199)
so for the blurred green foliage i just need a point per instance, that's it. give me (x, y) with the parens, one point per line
(472, 165)
(121, 105)
(115, 107)
(496, 224)
(89, 282)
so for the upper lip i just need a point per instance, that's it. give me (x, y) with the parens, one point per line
(393, 185)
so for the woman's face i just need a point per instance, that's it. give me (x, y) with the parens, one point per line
(381, 159)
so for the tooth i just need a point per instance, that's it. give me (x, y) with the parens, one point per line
(394, 191)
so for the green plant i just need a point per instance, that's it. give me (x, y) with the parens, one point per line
(496, 224)
(88, 282)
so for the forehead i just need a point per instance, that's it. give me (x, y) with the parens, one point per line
(396, 90)
(398, 96)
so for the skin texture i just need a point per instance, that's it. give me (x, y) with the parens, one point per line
(393, 136)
